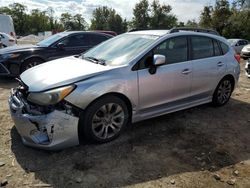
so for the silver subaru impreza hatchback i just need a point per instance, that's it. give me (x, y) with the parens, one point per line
(129, 78)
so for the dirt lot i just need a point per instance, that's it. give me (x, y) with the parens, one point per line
(183, 149)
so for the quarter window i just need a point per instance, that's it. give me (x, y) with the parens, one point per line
(224, 48)
(202, 47)
(175, 50)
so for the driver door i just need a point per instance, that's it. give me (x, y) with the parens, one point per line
(170, 86)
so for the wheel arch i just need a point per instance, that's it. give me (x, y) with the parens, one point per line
(33, 57)
(28, 58)
(231, 78)
(81, 117)
(119, 95)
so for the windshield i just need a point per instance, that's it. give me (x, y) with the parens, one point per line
(50, 40)
(232, 41)
(121, 49)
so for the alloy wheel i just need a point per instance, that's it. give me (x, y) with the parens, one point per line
(108, 120)
(224, 91)
(31, 64)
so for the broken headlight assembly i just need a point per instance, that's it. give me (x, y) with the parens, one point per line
(50, 97)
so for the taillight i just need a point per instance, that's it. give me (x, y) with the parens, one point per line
(237, 57)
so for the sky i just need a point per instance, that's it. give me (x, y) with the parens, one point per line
(184, 9)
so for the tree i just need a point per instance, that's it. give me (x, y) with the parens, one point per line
(38, 21)
(161, 17)
(105, 18)
(79, 22)
(154, 16)
(241, 4)
(65, 19)
(221, 15)
(191, 23)
(50, 13)
(206, 17)
(141, 17)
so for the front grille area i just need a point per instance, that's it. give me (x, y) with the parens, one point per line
(3, 69)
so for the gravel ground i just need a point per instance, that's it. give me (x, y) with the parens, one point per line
(199, 147)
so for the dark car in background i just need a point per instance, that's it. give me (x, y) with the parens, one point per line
(15, 60)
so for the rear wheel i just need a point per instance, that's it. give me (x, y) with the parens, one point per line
(29, 63)
(104, 120)
(223, 92)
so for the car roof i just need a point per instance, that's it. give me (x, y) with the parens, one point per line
(236, 39)
(161, 33)
(75, 32)
(150, 32)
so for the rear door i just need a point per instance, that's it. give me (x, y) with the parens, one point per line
(208, 66)
(75, 44)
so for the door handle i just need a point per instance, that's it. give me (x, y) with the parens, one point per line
(186, 71)
(220, 64)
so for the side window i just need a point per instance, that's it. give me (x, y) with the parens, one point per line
(1, 36)
(202, 47)
(241, 42)
(175, 50)
(72, 41)
(224, 48)
(94, 39)
(217, 51)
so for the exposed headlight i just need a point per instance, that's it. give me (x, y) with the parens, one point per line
(50, 97)
(10, 56)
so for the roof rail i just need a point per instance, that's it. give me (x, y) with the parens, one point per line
(178, 29)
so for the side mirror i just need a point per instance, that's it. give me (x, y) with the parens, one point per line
(157, 61)
(60, 46)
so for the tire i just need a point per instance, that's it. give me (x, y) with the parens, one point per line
(104, 120)
(29, 63)
(223, 92)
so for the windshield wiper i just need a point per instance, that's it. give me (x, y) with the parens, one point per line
(95, 60)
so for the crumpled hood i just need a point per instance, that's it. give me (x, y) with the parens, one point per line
(60, 72)
(17, 48)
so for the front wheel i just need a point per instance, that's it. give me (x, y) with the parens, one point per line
(223, 92)
(104, 120)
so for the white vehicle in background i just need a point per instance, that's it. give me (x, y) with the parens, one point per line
(238, 44)
(7, 40)
(6, 25)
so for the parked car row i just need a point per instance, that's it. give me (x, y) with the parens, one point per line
(238, 44)
(16, 59)
(128, 78)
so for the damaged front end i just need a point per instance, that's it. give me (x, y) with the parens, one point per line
(51, 127)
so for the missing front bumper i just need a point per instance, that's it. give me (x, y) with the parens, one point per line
(54, 131)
